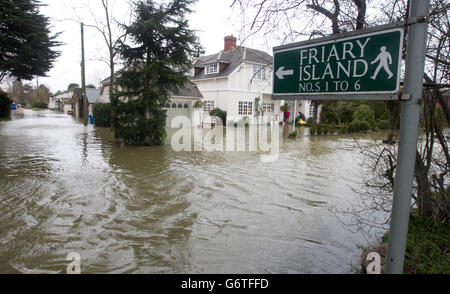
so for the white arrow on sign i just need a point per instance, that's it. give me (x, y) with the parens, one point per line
(281, 73)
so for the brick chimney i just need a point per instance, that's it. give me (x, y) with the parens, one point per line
(230, 42)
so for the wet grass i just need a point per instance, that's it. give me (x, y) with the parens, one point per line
(427, 247)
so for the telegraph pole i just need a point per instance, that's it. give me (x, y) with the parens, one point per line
(409, 131)
(37, 90)
(83, 80)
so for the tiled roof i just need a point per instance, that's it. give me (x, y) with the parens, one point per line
(188, 90)
(92, 94)
(65, 95)
(233, 58)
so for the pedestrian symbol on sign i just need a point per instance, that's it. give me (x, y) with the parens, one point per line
(384, 58)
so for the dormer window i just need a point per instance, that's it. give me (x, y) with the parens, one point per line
(259, 72)
(211, 69)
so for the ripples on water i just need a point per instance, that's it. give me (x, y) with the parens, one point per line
(66, 188)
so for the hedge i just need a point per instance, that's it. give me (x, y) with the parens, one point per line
(364, 113)
(5, 105)
(102, 115)
(383, 125)
(359, 126)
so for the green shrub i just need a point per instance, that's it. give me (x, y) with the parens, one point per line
(427, 246)
(40, 105)
(328, 129)
(5, 105)
(341, 129)
(198, 104)
(385, 116)
(364, 113)
(293, 134)
(220, 113)
(284, 108)
(319, 129)
(309, 121)
(102, 114)
(383, 125)
(134, 128)
(345, 129)
(358, 126)
(313, 130)
(337, 112)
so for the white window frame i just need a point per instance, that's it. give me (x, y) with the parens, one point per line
(311, 109)
(245, 108)
(259, 72)
(208, 105)
(211, 69)
(268, 107)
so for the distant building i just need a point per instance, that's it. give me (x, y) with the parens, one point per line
(61, 102)
(93, 96)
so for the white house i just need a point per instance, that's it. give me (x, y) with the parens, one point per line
(237, 80)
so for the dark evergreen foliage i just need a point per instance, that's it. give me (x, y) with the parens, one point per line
(5, 105)
(73, 86)
(157, 62)
(25, 40)
(102, 114)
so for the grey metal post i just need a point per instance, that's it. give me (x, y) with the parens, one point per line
(409, 129)
(295, 113)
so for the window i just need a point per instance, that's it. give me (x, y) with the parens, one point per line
(208, 106)
(245, 108)
(311, 110)
(167, 105)
(186, 106)
(180, 105)
(211, 69)
(259, 72)
(268, 107)
(174, 105)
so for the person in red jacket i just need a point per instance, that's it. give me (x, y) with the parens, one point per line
(287, 114)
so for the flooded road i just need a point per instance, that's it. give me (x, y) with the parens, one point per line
(66, 188)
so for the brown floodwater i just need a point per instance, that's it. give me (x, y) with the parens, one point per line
(69, 188)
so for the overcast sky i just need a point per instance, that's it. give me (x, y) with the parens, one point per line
(213, 19)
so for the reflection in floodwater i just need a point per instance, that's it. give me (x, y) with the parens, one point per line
(67, 188)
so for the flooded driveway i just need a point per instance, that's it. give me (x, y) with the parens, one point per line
(66, 188)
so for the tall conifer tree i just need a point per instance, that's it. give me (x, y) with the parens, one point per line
(157, 62)
(26, 44)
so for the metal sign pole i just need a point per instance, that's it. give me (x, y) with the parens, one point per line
(295, 113)
(409, 129)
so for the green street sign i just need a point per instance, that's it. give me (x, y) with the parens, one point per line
(362, 63)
